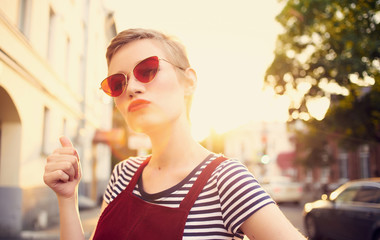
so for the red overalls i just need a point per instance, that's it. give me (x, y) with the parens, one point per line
(129, 217)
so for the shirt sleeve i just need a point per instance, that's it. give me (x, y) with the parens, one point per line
(109, 194)
(240, 194)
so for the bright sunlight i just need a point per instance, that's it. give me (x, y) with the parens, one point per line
(230, 44)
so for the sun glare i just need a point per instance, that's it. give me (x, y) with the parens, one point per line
(230, 48)
(318, 107)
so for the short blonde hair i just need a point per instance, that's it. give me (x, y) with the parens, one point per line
(175, 50)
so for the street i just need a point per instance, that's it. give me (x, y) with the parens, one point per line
(292, 211)
(294, 214)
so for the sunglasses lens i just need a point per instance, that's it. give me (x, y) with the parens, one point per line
(146, 70)
(114, 85)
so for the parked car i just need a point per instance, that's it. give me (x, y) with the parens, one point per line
(282, 189)
(351, 212)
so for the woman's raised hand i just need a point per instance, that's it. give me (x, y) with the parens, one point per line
(63, 171)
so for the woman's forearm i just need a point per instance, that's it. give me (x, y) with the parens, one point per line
(70, 224)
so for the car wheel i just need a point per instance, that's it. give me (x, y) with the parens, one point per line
(376, 236)
(311, 228)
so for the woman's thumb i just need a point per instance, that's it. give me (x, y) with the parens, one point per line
(65, 142)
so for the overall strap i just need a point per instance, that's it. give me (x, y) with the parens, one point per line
(136, 176)
(188, 202)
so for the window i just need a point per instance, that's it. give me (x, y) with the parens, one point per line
(347, 195)
(45, 133)
(368, 194)
(364, 161)
(343, 164)
(51, 35)
(24, 16)
(64, 128)
(0, 143)
(67, 59)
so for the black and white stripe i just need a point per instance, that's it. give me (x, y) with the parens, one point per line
(230, 196)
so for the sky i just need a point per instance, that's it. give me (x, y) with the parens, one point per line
(230, 45)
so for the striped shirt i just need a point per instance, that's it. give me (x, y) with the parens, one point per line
(230, 197)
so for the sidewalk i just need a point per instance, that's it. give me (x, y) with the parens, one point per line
(89, 218)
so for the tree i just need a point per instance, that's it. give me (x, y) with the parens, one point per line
(330, 49)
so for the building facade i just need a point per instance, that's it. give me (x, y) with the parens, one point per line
(257, 145)
(362, 162)
(268, 149)
(51, 64)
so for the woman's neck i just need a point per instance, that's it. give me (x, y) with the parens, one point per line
(174, 147)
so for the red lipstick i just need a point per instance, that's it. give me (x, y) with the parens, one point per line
(137, 105)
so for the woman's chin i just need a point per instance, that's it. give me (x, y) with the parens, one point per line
(150, 123)
(145, 125)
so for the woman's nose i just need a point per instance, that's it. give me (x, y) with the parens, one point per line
(134, 87)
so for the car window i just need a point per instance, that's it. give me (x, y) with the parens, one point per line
(368, 194)
(347, 195)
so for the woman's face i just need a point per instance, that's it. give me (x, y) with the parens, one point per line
(154, 105)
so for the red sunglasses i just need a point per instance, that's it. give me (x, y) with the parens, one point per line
(144, 72)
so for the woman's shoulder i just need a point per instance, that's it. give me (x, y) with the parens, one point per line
(230, 165)
(134, 161)
(129, 165)
(232, 173)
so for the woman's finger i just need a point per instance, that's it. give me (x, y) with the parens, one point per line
(55, 158)
(51, 178)
(65, 166)
(65, 142)
(65, 150)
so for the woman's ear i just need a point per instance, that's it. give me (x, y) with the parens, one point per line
(190, 82)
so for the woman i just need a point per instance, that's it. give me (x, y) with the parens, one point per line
(181, 191)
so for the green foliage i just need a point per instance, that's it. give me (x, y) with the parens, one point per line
(331, 48)
(326, 40)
